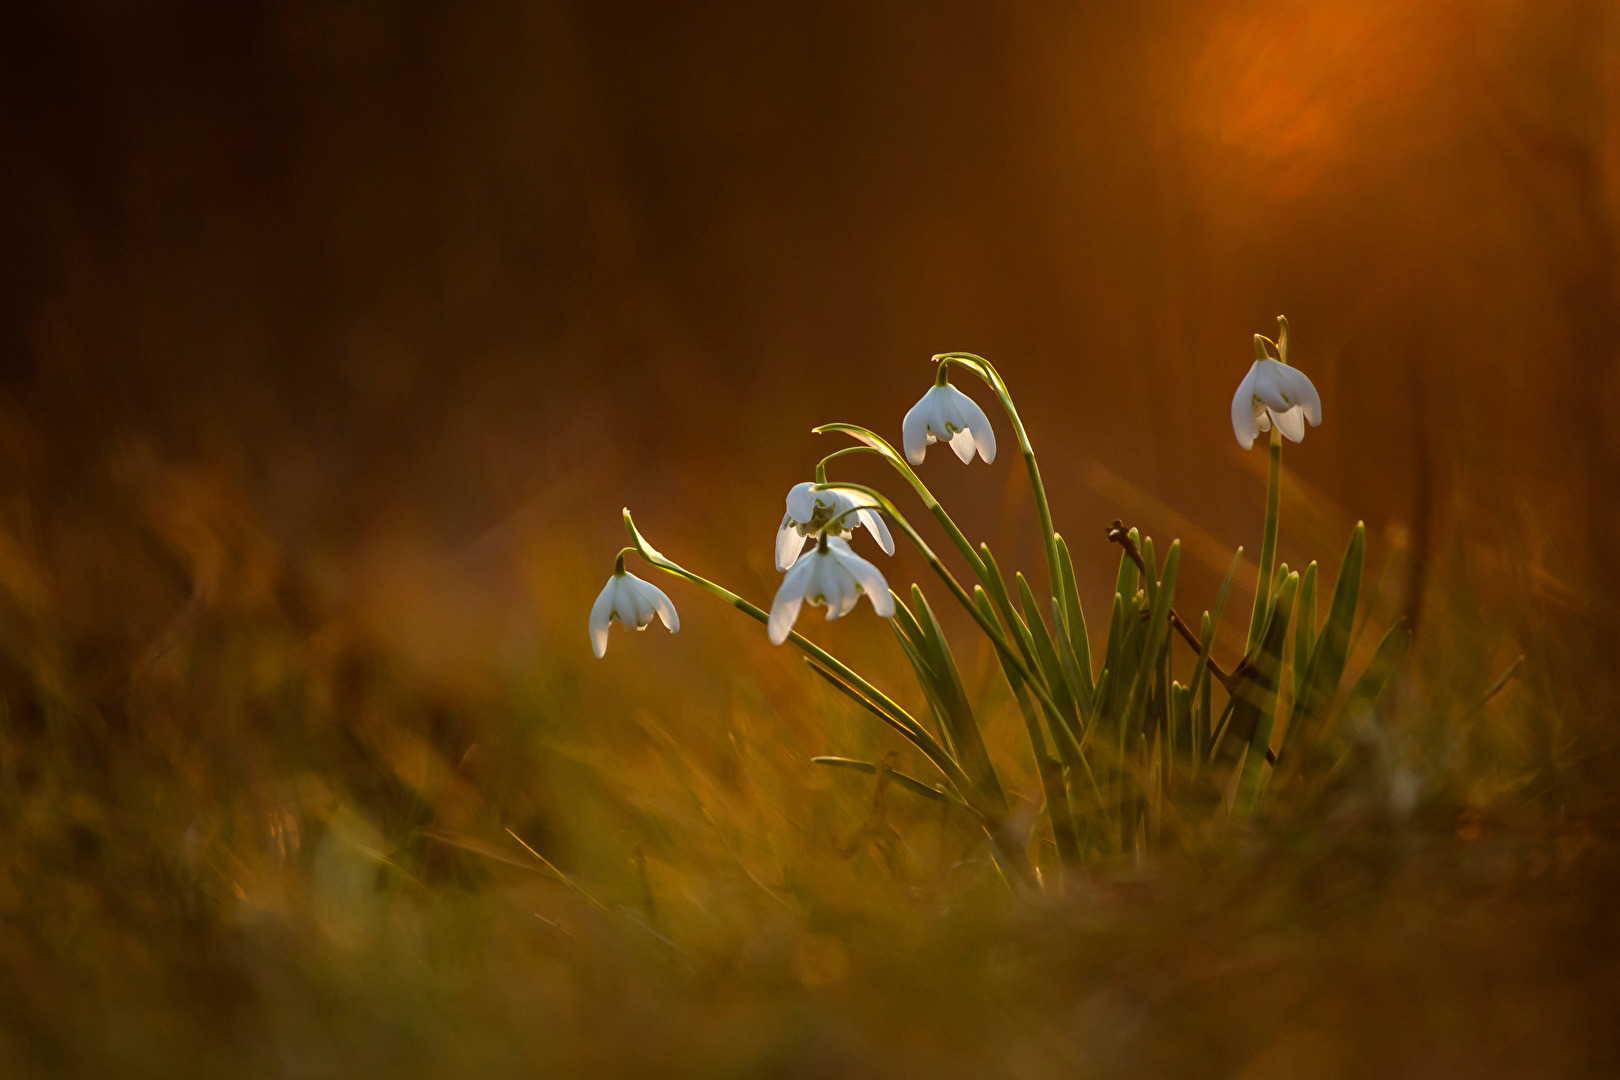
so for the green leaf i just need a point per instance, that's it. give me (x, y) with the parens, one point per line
(966, 738)
(998, 592)
(1125, 583)
(1150, 580)
(1064, 834)
(1385, 660)
(1327, 657)
(1264, 586)
(1075, 620)
(1046, 654)
(1158, 627)
(1257, 694)
(1304, 629)
(907, 782)
(1206, 637)
(913, 732)
(1181, 713)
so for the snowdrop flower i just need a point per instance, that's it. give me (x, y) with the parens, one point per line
(945, 414)
(1274, 393)
(832, 575)
(808, 511)
(633, 603)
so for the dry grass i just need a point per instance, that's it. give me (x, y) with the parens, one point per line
(255, 823)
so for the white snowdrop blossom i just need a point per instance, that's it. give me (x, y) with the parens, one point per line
(1274, 393)
(945, 414)
(832, 575)
(632, 603)
(808, 511)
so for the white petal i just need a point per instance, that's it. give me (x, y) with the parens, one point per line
(1262, 418)
(880, 531)
(1271, 385)
(801, 503)
(825, 584)
(971, 417)
(600, 612)
(662, 605)
(962, 443)
(789, 597)
(1291, 423)
(784, 613)
(1243, 412)
(789, 543)
(869, 578)
(914, 431)
(1302, 392)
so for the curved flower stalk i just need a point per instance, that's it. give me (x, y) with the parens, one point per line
(630, 602)
(986, 623)
(808, 510)
(992, 818)
(945, 414)
(877, 701)
(985, 370)
(833, 576)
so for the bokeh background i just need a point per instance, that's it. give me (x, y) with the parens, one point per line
(414, 272)
(334, 337)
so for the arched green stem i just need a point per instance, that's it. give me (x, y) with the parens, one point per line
(892, 712)
(988, 625)
(985, 370)
(876, 444)
(995, 823)
(618, 562)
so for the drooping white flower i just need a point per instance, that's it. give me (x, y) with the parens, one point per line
(1274, 393)
(945, 414)
(832, 575)
(808, 511)
(632, 603)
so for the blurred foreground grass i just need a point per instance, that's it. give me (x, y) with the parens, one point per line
(266, 815)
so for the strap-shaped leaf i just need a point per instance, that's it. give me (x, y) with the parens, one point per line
(1256, 708)
(1079, 679)
(1158, 629)
(909, 783)
(1074, 621)
(929, 681)
(1304, 629)
(966, 739)
(1385, 660)
(1050, 771)
(913, 732)
(1113, 651)
(1181, 720)
(1150, 580)
(1046, 654)
(1003, 602)
(1327, 658)
(1126, 582)
(1212, 620)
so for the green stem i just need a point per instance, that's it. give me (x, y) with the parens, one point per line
(898, 716)
(992, 378)
(991, 630)
(876, 444)
(1268, 544)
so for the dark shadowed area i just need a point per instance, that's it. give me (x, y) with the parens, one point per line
(334, 337)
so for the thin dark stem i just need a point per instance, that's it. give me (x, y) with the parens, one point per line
(1119, 534)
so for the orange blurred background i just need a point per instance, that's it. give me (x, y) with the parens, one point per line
(434, 294)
